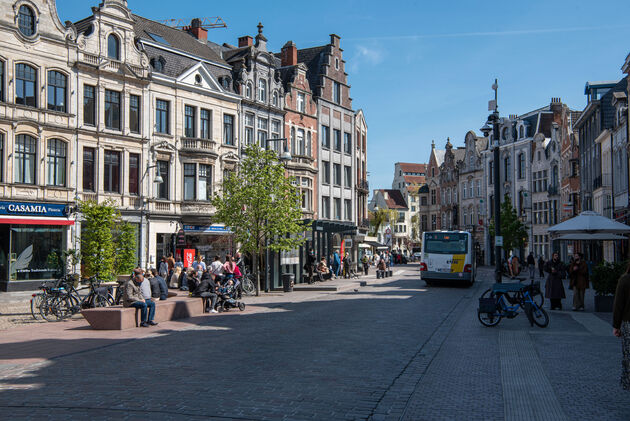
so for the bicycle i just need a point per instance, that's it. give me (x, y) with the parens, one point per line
(249, 285)
(47, 288)
(501, 304)
(97, 297)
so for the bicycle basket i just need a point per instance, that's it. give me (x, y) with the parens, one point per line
(487, 305)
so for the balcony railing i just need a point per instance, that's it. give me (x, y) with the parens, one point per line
(363, 185)
(197, 145)
(604, 180)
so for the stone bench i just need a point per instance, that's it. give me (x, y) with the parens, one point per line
(119, 318)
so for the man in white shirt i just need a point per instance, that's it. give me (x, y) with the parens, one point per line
(216, 268)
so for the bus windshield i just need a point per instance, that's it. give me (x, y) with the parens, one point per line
(446, 243)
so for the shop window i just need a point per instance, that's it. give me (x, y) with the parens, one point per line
(36, 249)
(111, 173)
(57, 91)
(56, 162)
(25, 159)
(26, 85)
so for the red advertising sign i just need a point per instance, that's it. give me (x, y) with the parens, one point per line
(189, 257)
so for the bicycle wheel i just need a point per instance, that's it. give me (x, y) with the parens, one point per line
(100, 301)
(68, 305)
(50, 308)
(36, 302)
(249, 286)
(489, 319)
(540, 316)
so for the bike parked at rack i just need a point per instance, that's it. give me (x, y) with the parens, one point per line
(506, 299)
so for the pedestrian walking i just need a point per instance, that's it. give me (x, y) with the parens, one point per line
(578, 280)
(554, 289)
(346, 265)
(541, 266)
(310, 264)
(621, 325)
(336, 263)
(531, 265)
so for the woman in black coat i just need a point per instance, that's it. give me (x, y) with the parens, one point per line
(554, 289)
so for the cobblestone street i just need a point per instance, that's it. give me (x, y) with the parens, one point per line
(394, 349)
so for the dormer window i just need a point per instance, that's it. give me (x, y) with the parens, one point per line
(521, 132)
(505, 134)
(113, 47)
(26, 21)
(158, 66)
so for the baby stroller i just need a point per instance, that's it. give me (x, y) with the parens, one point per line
(226, 299)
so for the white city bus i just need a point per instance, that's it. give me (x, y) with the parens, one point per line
(447, 256)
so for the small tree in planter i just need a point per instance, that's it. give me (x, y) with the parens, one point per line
(604, 278)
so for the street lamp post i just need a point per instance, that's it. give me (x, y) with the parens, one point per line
(493, 119)
(284, 158)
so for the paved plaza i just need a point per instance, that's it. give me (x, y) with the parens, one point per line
(391, 350)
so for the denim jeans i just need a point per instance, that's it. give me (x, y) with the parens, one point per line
(143, 305)
(212, 296)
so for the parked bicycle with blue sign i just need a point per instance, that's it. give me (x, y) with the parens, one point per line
(506, 299)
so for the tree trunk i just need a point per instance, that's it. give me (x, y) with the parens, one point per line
(257, 272)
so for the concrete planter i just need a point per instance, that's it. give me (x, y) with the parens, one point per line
(604, 303)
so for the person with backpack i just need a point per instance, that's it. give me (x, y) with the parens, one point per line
(366, 263)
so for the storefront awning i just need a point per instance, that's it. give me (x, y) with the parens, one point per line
(377, 245)
(35, 220)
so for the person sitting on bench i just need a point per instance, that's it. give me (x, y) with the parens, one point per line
(207, 289)
(132, 297)
(322, 270)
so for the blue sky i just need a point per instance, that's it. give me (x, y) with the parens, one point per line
(422, 70)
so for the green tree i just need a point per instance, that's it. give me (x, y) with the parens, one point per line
(513, 230)
(97, 240)
(260, 205)
(126, 245)
(381, 216)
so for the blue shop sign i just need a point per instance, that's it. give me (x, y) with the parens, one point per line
(213, 228)
(33, 209)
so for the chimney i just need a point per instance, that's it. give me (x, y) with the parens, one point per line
(386, 195)
(197, 31)
(245, 41)
(288, 54)
(334, 40)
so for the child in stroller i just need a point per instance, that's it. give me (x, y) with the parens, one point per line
(226, 293)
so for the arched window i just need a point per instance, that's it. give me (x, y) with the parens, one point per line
(521, 132)
(26, 21)
(56, 162)
(26, 85)
(262, 90)
(25, 159)
(275, 99)
(57, 91)
(300, 142)
(113, 47)
(248, 91)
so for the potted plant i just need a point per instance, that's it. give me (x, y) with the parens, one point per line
(604, 278)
